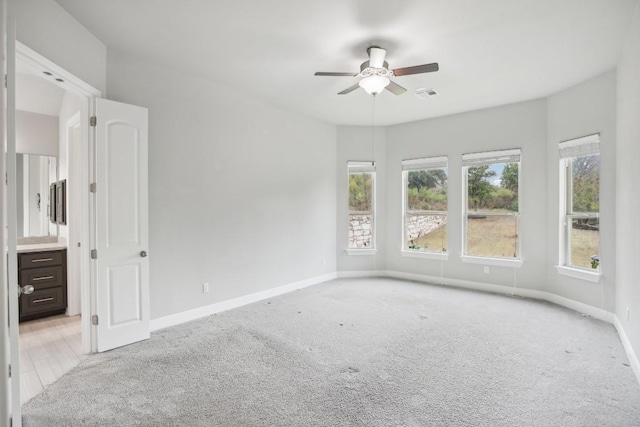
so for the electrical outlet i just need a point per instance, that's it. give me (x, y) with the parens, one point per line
(486, 269)
(205, 288)
(324, 262)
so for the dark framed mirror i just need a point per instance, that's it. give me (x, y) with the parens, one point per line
(52, 202)
(61, 196)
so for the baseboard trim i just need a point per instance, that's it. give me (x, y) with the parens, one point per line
(633, 359)
(208, 310)
(360, 274)
(595, 312)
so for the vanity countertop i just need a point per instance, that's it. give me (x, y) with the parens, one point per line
(41, 247)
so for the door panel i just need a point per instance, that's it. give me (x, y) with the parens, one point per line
(125, 288)
(121, 206)
(123, 149)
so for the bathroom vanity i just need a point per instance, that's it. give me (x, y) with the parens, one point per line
(46, 270)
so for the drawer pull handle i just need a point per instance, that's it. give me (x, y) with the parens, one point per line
(42, 260)
(42, 278)
(35, 301)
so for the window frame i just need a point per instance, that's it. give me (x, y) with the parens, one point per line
(482, 158)
(370, 168)
(426, 163)
(584, 146)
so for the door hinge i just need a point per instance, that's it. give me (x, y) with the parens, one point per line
(92, 187)
(94, 254)
(9, 370)
(94, 320)
(93, 121)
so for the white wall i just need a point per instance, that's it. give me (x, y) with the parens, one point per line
(36, 133)
(44, 26)
(72, 118)
(70, 106)
(627, 182)
(584, 109)
(355, 143)
(241, 193)
(520, 125)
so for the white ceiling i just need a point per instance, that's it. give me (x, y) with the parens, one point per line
(491, 52)
(37, 95)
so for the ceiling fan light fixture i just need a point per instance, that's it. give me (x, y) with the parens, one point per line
(373, 85)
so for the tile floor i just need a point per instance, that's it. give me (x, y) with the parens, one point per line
(49, 348)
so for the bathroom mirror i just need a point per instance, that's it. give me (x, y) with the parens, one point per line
(34, 175)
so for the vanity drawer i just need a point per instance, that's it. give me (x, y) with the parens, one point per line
(42, 278)
(43, 300)
(40, 259)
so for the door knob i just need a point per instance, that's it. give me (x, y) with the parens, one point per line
(26, 290)
(143, 254)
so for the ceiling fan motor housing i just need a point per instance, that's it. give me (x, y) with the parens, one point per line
(366, 70)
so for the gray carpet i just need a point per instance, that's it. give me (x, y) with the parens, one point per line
(372, 352)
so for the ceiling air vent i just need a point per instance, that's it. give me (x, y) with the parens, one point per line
(426, 93)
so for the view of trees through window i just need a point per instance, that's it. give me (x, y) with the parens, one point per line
(492, 210)
(426, 210)
(361, 193)
(584, 206)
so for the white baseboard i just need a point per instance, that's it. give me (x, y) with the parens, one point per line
(208, 310)
(598, 313)
(595, 312)
(590, 310)
(633, 359)
(358, 274)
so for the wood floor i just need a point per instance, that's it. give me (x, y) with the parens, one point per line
(49, 348)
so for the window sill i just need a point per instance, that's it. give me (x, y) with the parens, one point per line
(362, 252)
(590, 276)
(498, 262)
(425, 255)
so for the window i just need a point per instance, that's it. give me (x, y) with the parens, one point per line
(492, 215)
(580, 209)
(425, 205)
(362, 188)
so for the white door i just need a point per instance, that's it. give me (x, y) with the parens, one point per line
(10, 405)
(122, 229)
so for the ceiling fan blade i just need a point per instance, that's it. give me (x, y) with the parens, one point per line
(416, 69)
(322, 73)
(349, 89)
(395, 88)
(376, 56)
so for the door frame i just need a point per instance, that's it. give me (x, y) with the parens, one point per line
(83, 228)
(5, 339)
(74, 211)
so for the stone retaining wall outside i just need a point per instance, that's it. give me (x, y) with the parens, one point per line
(360, 231)
(419, 225)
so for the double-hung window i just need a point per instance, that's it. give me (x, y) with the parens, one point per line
(362, 196)
(491, 204)
(425, 205)
(580, 204)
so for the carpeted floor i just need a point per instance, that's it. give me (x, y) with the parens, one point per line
(360, 352)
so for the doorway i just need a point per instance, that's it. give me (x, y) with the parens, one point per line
(113, 219)
(52, 129)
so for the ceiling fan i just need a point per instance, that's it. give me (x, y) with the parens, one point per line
(375, 74)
